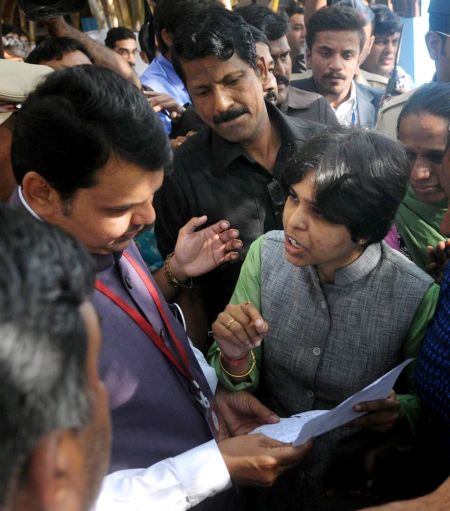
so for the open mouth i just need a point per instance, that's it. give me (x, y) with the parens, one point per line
(293, 246)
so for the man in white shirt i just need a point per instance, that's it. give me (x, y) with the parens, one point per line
(335, 39)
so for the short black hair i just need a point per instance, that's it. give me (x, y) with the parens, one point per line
(46, 276)
(9, 29)
(386, 21)
(118, 34)
(259, 36)
(170, 14)
(55, 48)
(294, 8)
(79, 117)
(360, 178)
(431, 98)
(147, 42)
(215, 32)
(335, 18)
(272, 24)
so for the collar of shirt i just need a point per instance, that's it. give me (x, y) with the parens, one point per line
(344, 112)
(359, 268)
(225, 152)
(104, 261)
(171, 75)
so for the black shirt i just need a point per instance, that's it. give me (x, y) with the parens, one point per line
(217, 178)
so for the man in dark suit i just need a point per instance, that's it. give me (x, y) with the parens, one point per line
(291, 101)
(335, 38)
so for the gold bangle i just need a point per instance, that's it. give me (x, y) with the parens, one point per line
(173, 281)
(252, 366)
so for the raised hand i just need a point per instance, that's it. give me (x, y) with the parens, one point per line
(437, 258)
(200, 251)
(239, 329)
(161, 101)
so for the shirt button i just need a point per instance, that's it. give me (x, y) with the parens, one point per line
(310, 393)
(316, 351)
(323, 304)
(301, 474)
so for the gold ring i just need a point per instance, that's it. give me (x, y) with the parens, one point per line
(246, 303)
(230, 323)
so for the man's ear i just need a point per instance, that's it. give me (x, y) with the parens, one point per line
(54, 475)
(434, 44)
(42, 198)
(369, 47)
(262, 69)
(308, 58)
(167, 37)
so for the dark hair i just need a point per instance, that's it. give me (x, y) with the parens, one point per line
(272, 24)
(9, 29)
(215, 32)
(431, 98)
(259, 36)
(76, 119)
(294, 8)
(386, 21)
(55, 48)
(118, 34)
(360, 178)
(169, 14)
(363, 10)
(335, 18)
(46, 276)
(146, 38)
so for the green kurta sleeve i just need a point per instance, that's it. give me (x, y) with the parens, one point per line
(248, 289)
(410, 402)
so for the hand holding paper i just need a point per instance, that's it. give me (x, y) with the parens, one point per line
(301, 427)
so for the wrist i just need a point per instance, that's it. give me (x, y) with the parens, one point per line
(242, 370)
(57, 27)
(173, 276)
(235, 362)
(178, 269)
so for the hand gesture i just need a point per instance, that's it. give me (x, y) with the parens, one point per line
(239, 329)
(240, 412)
(198, 252)
(258, 460)
(382, 414)
(437, 258)
(161, 101)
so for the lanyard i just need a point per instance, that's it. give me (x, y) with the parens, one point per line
(184, 366)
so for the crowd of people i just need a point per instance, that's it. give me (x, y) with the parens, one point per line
(255, 227)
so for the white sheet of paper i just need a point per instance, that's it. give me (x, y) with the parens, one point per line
(301, 427)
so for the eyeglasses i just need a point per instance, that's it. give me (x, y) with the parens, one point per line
(441, 33)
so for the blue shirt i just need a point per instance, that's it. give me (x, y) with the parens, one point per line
(161, 76)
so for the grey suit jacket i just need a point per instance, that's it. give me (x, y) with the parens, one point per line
(368, 100)
(308, 105)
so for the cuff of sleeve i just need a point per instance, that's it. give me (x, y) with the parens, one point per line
(203, 472)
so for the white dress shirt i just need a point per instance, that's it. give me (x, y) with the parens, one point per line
(347, 111)
(173, 484)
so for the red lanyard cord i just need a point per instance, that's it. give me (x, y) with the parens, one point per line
(162, 312)
(145, 325)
